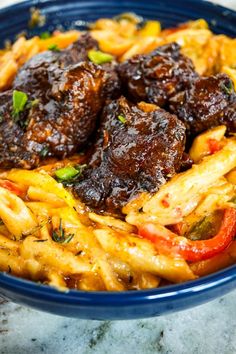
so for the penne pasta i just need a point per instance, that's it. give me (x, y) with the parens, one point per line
(53, 255)
(43, 181)
(192, 184)
(16, 216)
(142, 256)
(147, 237)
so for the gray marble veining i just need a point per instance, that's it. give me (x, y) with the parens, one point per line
(206, 329)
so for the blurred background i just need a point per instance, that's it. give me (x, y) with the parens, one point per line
(227, 3)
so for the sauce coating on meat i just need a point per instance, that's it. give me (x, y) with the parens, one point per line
(157, 76)
(70, 92)
(210, 101)
(12, 151)
(137, 149)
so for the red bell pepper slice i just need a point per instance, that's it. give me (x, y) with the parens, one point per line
(168, 242)
(12, 187)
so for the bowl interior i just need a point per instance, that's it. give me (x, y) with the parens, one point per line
(77, 14)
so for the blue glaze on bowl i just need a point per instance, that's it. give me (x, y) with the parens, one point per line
(132, 304)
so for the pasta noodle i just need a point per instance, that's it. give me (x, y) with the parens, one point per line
(192, 184)
(48, 235)
(46, 239)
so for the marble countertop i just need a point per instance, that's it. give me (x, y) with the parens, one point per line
(207, 329)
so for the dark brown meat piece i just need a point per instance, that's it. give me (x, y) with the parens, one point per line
(157, 76)
(71, 92)
(210, 101)
(65, 123)
(12, 152)
(137, 149)
(37, 76)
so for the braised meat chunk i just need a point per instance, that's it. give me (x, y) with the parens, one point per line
(210, 101)
(37, 76)
(67, 120)
(157, 76)
(67, 92)
(137, 149)
(12, 151)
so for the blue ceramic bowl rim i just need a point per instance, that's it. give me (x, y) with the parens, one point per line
(101, 298)
(24, 4)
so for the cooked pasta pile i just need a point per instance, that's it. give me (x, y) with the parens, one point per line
(48, 236)
(123, 38)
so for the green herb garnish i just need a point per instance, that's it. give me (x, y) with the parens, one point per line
(122, 118)
(233, 200)
(19, 99)
(60, 237)
(45, 35)
(66, 173)
(41, 240)
(34, 103)
(36, 228)
(54, 48)
(69, 173)
(1, 119)
(205, 228)
(98, 57)
(228, 88)
(44, 151)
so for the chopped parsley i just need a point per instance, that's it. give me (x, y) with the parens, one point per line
(54, 48)
(122, 118)
(98, 57)
(60, 236)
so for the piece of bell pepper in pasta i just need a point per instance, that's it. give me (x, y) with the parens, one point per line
(168, 242)
(12, 187)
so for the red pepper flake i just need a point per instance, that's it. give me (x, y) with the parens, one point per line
(213, 146)
(165, 202)
(178, 212)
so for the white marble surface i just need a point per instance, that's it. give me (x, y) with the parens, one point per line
(207, 329)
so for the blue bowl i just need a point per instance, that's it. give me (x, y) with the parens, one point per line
(132, 304)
